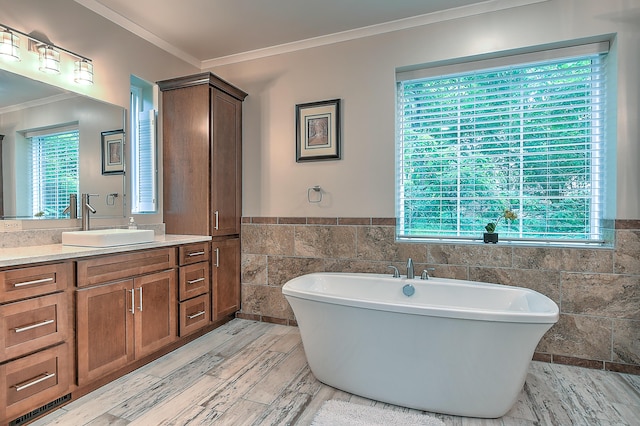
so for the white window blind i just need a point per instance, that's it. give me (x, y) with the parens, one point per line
(143, 149)
(527, 137)
(53, 170)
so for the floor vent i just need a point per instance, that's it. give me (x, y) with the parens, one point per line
(39, 411)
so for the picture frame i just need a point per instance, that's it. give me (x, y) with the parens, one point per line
(318, 131)
(113, 152)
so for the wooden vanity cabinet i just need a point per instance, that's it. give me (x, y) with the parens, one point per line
(225, 277)
(123, 320)
(194, 287)
(36, 365)
(202, 171)
(202, 167)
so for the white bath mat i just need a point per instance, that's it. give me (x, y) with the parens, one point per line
(342, 413)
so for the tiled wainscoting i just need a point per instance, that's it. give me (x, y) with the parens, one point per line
(597, 290)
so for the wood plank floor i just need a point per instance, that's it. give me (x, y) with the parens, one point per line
(251, 373)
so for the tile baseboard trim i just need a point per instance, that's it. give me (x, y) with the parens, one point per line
(587, 363)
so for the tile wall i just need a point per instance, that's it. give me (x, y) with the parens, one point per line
(597, 290)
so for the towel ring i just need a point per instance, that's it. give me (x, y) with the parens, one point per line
(318, 197)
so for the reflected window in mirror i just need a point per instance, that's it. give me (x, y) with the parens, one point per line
(143, 148)
(54, 170)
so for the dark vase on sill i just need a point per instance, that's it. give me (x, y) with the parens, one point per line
(490, 237)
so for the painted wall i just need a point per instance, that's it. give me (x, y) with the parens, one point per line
(115, 52)
(362, 73)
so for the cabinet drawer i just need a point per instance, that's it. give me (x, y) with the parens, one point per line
(33, 281)
(114, 267)
(34, 380)
(194, 280)
(32, 324)
(194, 314)
(193, 253)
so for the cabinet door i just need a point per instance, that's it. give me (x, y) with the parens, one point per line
(226, 161)
(155, 311)
(226, 277)
(186, 148)
(104, 329)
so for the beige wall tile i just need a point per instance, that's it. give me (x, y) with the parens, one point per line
(545, 282)
(268, 239)
(282, 269)
(472, 255)
(627, 254)
(265, 300)
(605, 295)
(378, 243)
(537, 258)
(588, 260)
(325, 241)
(579, 336)
(626, 341)
(592, 298)
(254, 269)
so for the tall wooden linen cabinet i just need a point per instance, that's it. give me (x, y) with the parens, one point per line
(202, 176)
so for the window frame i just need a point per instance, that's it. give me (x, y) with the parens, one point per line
(485, 66)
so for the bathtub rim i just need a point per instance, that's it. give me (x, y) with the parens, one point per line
(550, 316)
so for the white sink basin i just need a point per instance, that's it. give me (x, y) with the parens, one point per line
(107, 237)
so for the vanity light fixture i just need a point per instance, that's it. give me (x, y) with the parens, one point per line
(48, 53)
(9, 46)
(83, 72)
(49, 59)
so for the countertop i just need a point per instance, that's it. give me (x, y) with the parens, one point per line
(47, 253)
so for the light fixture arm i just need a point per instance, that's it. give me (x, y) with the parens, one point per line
(44, 42)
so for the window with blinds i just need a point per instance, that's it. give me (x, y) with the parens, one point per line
(143, 151)
(53, 171)
(528, 137)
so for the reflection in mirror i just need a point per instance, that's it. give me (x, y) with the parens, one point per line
(46, 131)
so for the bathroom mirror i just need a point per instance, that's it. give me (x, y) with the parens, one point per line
(30, 108)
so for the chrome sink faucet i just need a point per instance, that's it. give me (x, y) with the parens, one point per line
(72, 208)
(410, 273)
(86, 209)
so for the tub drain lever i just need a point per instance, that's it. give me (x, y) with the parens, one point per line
(408, 290)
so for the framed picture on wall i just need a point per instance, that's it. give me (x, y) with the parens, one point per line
(113, 152)
(318, 131)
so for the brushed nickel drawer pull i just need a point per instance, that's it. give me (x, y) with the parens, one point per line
(195, 281)
(43, 280)
(25, 385)
(196, 315)
(32, 326)
(196, 253)
(217, 257)
(217, 222)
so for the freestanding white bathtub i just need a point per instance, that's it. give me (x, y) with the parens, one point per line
(454, 347)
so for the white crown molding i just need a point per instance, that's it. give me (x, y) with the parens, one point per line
(400, 24)
(386, 27)
(128, 25)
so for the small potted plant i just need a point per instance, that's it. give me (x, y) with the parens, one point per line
(491, 236)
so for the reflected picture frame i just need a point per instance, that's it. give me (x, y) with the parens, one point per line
(112, 152)
(318, 131)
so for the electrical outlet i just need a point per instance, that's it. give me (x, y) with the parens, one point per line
(11, 225)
